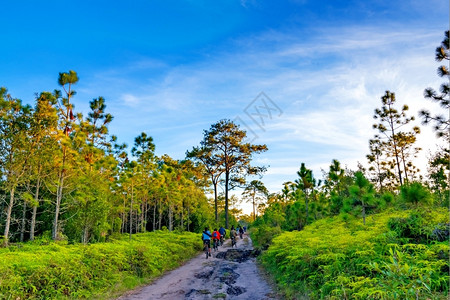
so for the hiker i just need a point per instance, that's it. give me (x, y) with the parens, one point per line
(216, 238)
(233, 235)
(206, 238)
(222, 232)
(241, 231)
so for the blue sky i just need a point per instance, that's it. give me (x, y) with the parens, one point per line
(172, 68)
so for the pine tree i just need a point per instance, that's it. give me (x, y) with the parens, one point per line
(441, 123)
(255, 192)
(391, 140)
(67, 118)
(227, 142)
(213, 167)
(304, 187)
(362, 194)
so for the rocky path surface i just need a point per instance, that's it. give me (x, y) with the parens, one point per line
(231, 273)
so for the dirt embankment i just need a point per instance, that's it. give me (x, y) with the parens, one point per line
(230, 273)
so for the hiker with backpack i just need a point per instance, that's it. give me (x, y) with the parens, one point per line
(206, 238)
(222, 232)
(233, 235)
(241, 231)
(216, 238)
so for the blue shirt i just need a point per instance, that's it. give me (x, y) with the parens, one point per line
(222, 231)
(205, 236)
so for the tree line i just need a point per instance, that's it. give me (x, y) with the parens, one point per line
(62, 175)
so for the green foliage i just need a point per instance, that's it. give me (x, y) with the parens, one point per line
(411, 227)
(337, 182)
(362, 197)
(338, 258)
(387, 197)
(62, 171)
(417, 228)
(274, 215)
(262, 235)
(294, 216)
(57, 271)
(405, 277)
(415, 193)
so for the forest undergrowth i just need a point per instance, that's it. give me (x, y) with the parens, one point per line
(396, 255)
(56, 270)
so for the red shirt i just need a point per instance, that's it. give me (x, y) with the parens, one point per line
(214, 236)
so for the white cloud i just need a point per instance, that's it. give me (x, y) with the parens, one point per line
(327, 87)
(131, 100)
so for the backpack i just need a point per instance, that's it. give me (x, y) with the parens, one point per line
(215, 234)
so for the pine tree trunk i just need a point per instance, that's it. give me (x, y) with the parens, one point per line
(8, 217)
(396, 154)
(188, 218)
(137, 226)
(85, 236)
(404, 167)
(122, 229)
(215, 202)
(33, 223)
(154, 217)
(22, 227)
(182, 220)
(139, 219)
(398, 166)
(379, 174)
(59, 194)
(131, 212)
(145, 215)
(170, 217)
(33, 216)
(160, 215)
(227, 179)
(254, 210)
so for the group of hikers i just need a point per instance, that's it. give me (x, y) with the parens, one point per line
(218, 237)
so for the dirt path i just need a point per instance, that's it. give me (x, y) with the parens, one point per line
(231, 273)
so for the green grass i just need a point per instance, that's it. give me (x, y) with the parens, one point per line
(58, 271)
(335, 258)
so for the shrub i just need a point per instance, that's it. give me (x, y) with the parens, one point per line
(55, 270)
(415, 193)
(262, 236)
(419, 227)
(337, 259)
